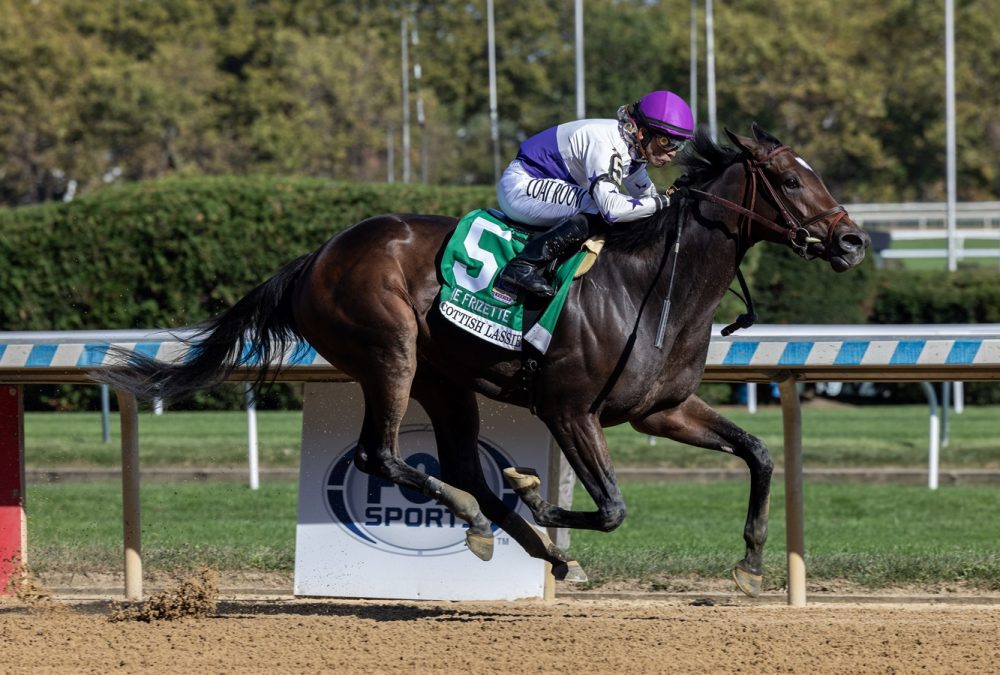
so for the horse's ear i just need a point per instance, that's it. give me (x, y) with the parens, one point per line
(745, 144)
(763, 136)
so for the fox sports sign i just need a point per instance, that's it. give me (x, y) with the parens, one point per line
(361, 536)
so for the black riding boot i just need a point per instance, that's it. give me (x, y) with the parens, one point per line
(525, 271)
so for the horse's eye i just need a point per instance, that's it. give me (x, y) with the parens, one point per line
(791, 182)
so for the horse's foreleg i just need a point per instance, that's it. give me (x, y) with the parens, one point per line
(454, 414)
(695, 423)
(582, 441)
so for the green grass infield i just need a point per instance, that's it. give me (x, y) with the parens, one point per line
(833, 436)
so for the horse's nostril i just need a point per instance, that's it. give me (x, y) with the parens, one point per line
(852, 241)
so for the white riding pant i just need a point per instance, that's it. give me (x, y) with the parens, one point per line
(540, 201)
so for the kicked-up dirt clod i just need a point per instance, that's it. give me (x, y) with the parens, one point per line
(197, 596)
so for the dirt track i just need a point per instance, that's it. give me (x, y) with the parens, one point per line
(584, 636)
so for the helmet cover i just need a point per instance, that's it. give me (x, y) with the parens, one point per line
(664, 112)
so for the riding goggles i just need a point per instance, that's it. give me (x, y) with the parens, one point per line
(670, 143)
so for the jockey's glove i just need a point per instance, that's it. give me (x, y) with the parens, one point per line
(677, 190)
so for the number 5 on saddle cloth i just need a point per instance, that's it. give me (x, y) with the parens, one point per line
(479, 248)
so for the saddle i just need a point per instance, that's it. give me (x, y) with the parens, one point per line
(483, 242)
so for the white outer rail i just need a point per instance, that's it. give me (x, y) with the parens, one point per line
(766, 353)
(961, 250)
(964, 233)
(984, 214)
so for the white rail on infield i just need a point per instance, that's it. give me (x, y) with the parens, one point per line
(914, 221)
(767, 353)
(921, 215)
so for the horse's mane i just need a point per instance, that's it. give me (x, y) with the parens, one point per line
(702, 161)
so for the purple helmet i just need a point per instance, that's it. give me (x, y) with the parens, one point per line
(664, 112)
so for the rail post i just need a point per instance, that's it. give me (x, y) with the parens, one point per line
(129, 412)
(794, 517)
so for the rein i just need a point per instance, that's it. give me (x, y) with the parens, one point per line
(790, 229)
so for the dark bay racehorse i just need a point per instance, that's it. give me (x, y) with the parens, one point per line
(366, 301)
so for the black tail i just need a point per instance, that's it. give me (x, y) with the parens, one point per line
(254, 332)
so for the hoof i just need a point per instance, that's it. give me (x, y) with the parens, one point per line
(569, 571)
(747, 582)
(521, 478)
(481, 546)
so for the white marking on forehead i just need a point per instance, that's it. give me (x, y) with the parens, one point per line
(804, 163)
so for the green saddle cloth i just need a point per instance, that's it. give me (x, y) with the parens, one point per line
(479, 248)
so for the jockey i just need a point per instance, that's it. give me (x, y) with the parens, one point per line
(579, 168)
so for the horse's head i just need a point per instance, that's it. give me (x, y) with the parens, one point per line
(808, 218)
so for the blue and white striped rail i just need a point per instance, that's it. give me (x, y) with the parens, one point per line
(763, 353)
(894, 353)
(69, 356)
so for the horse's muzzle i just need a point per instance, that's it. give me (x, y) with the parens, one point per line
(848, 246)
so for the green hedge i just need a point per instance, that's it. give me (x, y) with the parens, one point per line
(789, 290)
(173, 252)
(966, 296)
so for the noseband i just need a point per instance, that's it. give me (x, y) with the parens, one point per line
(791, 228)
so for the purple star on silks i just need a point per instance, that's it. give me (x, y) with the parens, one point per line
(609, 218)
(592, 177)
(635, 202)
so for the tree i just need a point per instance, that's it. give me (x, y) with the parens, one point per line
(44, 69)
(92, 91)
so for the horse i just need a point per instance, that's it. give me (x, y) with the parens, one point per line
(630, 345)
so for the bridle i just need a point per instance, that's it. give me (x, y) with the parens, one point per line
(791, 228)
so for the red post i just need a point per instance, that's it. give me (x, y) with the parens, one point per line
(13, 530)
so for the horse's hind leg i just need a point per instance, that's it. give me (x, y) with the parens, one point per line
(378, 453)
(454, 414)
(385, 380)
(695, 423)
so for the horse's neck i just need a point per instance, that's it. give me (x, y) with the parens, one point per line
(709, 254)
(708, 258)
(711, 234)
